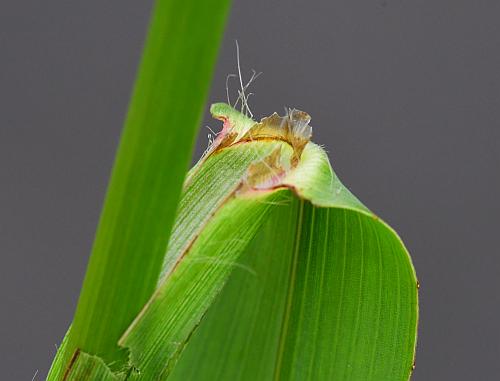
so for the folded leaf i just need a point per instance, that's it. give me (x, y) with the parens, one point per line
(319, 288)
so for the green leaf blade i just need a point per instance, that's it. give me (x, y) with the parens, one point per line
(348, 312)
(323, 331)
(146, 182)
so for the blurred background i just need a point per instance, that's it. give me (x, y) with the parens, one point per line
(405, 95)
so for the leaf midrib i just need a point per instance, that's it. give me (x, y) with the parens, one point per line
(288, 307)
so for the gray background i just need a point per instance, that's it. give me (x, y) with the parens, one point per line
(404, 94)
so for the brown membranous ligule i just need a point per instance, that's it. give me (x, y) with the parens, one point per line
(264, 174)
(293, 128)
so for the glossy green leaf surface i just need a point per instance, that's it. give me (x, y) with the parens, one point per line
(145, 186)
(337, 303)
